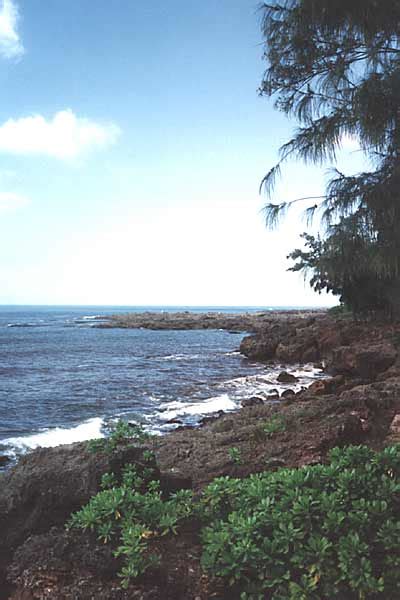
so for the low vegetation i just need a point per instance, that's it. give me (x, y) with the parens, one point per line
(121, 432)
(318, 532)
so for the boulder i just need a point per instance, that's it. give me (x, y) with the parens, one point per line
(317, 388)
(259, 347)
(288, 394)
(375, 396)
(285, 377)
(253, 401)
(4, 460)
(362, 360)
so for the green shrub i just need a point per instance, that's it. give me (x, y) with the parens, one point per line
(235, 455)
(121, 433)
(129, 514)
(315, 533)
(276, 424)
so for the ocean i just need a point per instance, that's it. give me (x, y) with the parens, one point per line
(64, 380)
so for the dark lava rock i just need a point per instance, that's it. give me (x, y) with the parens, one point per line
(258, 348)
(211, 418)
(47, 485)
(253, 401)
(288, 394)
(285, 377)
(363, 360)
(4, 460)
(172, 481)
(375, 396)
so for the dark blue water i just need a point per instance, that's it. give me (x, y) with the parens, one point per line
(62, 379)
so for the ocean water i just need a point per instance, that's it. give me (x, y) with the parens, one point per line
(64, 380)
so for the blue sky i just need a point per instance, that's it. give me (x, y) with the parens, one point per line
(132, 144)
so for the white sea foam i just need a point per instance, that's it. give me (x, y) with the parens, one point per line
(56, 436)
(179, 357)
(173, 410)
(266, 381)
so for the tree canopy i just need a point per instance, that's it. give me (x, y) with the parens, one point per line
(334, 65)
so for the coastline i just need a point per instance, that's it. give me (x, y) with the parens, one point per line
(187, 320)
(359, 403)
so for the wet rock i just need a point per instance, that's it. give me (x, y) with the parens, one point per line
(253, 401)
(288, 394)
(174, 422)
(4, 460)
(317, 388)
(258, 348)
(285, 377)
(211, 418)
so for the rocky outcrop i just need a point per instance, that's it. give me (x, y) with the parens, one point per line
(47, 485)
(361, 360)
(234, 323)
(347, 348)
(291, 341)
(285, 377)
(257, 347)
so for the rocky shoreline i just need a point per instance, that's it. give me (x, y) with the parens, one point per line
(358, 403)
(250, 322)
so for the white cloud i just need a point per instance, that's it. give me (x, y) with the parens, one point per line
(10, 42)
(10, 201)
(65, 136)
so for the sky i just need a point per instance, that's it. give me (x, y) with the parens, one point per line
(132, 145)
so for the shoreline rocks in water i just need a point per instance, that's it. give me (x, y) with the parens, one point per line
(359, 404)
(232, 322)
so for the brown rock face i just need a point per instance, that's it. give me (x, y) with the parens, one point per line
(362, 360)
(48, 485)
(258, 348)
(285, 377)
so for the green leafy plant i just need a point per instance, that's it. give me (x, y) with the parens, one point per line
(326, 531)
(274, 425)
(129, 514)
(121, 433)
(235, 455)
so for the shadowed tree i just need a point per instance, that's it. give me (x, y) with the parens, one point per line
(334, 65)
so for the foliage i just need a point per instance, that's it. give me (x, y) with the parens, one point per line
(318, 532)
(276, 424)
(326, 531)
(335, 67)
(121, 433)
(130, 514)
(235, 455)
(341, 264)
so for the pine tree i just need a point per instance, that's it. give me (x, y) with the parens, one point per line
(335, 66)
